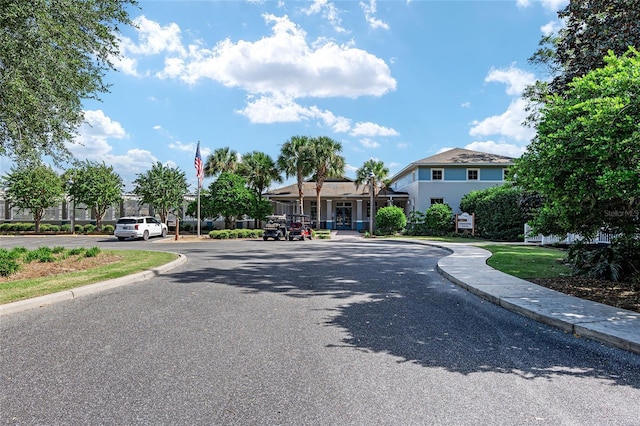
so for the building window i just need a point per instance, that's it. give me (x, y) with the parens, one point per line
(473, 174)
(437, 174)
(437, 201)
(505, 174)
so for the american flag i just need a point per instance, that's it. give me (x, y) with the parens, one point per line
(198, 165)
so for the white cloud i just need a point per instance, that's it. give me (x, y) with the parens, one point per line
(502, 148)
(551, 27)
(94, 133)
(368, 143)
(285, 63)
(328, 10)
(554, 5)
(466, 105)
(515, 79)
(508, 124)
(369, 10)
(372, 129)
(154, 39)
(523, 3)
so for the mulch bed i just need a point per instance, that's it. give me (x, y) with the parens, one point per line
(620, 295)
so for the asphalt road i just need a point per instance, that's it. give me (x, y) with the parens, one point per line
(350, 332)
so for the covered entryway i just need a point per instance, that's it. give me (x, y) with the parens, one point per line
(343, 215)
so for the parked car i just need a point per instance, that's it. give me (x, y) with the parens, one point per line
(276, 228)
(139, 227)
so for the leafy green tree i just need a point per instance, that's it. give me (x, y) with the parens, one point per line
(222, 160)
(593, 28)
(374, 174)
(585, 159)
(260, 171)
(95, 185)
(230, 198)
(295, 160)
(390, 219)
(53, 54)
(35, 188)
(163, 187)
(327, 162)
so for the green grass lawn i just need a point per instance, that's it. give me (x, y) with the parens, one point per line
(527, 261)
(131, 262)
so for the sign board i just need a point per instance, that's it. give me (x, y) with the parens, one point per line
(465, 221)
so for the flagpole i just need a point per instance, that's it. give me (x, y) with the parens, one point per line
(198, 211)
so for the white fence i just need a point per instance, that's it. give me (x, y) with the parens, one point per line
(601, 238)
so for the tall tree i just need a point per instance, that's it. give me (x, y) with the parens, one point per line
(260, 171)
(372, 173)
(53, 54)
(95, 185)
(327, 162)
(585, 159)
(35, 188)
(163, 187)
(222, 160)
(230, 198)
(592, 29)
(295, 160)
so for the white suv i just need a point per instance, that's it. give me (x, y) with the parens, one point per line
(139, 227)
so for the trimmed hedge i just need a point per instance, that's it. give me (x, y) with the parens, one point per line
(498, 213)
(226, 234)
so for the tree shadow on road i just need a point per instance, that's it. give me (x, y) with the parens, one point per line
(392, 301)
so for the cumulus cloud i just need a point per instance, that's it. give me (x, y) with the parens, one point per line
(372, 129)
(550, 5)
(368, 143)
(515, 79)
(499, 148)
(551, 27)
(286, 63)
(508, 124)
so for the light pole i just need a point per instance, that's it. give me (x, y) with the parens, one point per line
(371, 202)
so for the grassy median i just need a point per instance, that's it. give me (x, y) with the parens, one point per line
(527, 261)
(42, 278)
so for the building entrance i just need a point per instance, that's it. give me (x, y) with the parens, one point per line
(343, 215)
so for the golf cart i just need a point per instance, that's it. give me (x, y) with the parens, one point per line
(300, 227)
(276, 227)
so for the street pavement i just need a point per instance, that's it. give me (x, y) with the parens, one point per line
(345, 331)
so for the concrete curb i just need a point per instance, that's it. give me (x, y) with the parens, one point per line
(467, 267)
(49, 299)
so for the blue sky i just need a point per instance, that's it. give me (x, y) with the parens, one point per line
(391, 80)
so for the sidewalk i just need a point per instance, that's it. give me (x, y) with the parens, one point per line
(466, 266)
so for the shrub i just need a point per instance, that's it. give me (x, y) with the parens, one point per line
(92, 252)
(219, 235)
(108, 229)
(66, 227)
(619, 261)
(47, 227)
(41, 254)
(498, 212)
(416, 223)
(75, 251)
(438, 219)
(233, 234)
(8, 262)
(89, 228)
(390, 220)
(79, 229)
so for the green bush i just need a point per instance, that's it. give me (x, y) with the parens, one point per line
(41, 254)
(92, 252)
(47, 227)
(438, 219)
(89, 228)
(79, 229)
(498, 213)
(8, 262)
(66, 227)
(108, 229)
(390, 220)
(233, 234)
(219, 235)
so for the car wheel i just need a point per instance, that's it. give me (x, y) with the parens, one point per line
(120, 238)
(265, 238)
(164, 232)
(145, 236)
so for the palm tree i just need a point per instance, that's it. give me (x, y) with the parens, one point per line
(373, 173)
(260, 171)
(295, 160)
(327, 162)
(222, 160)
